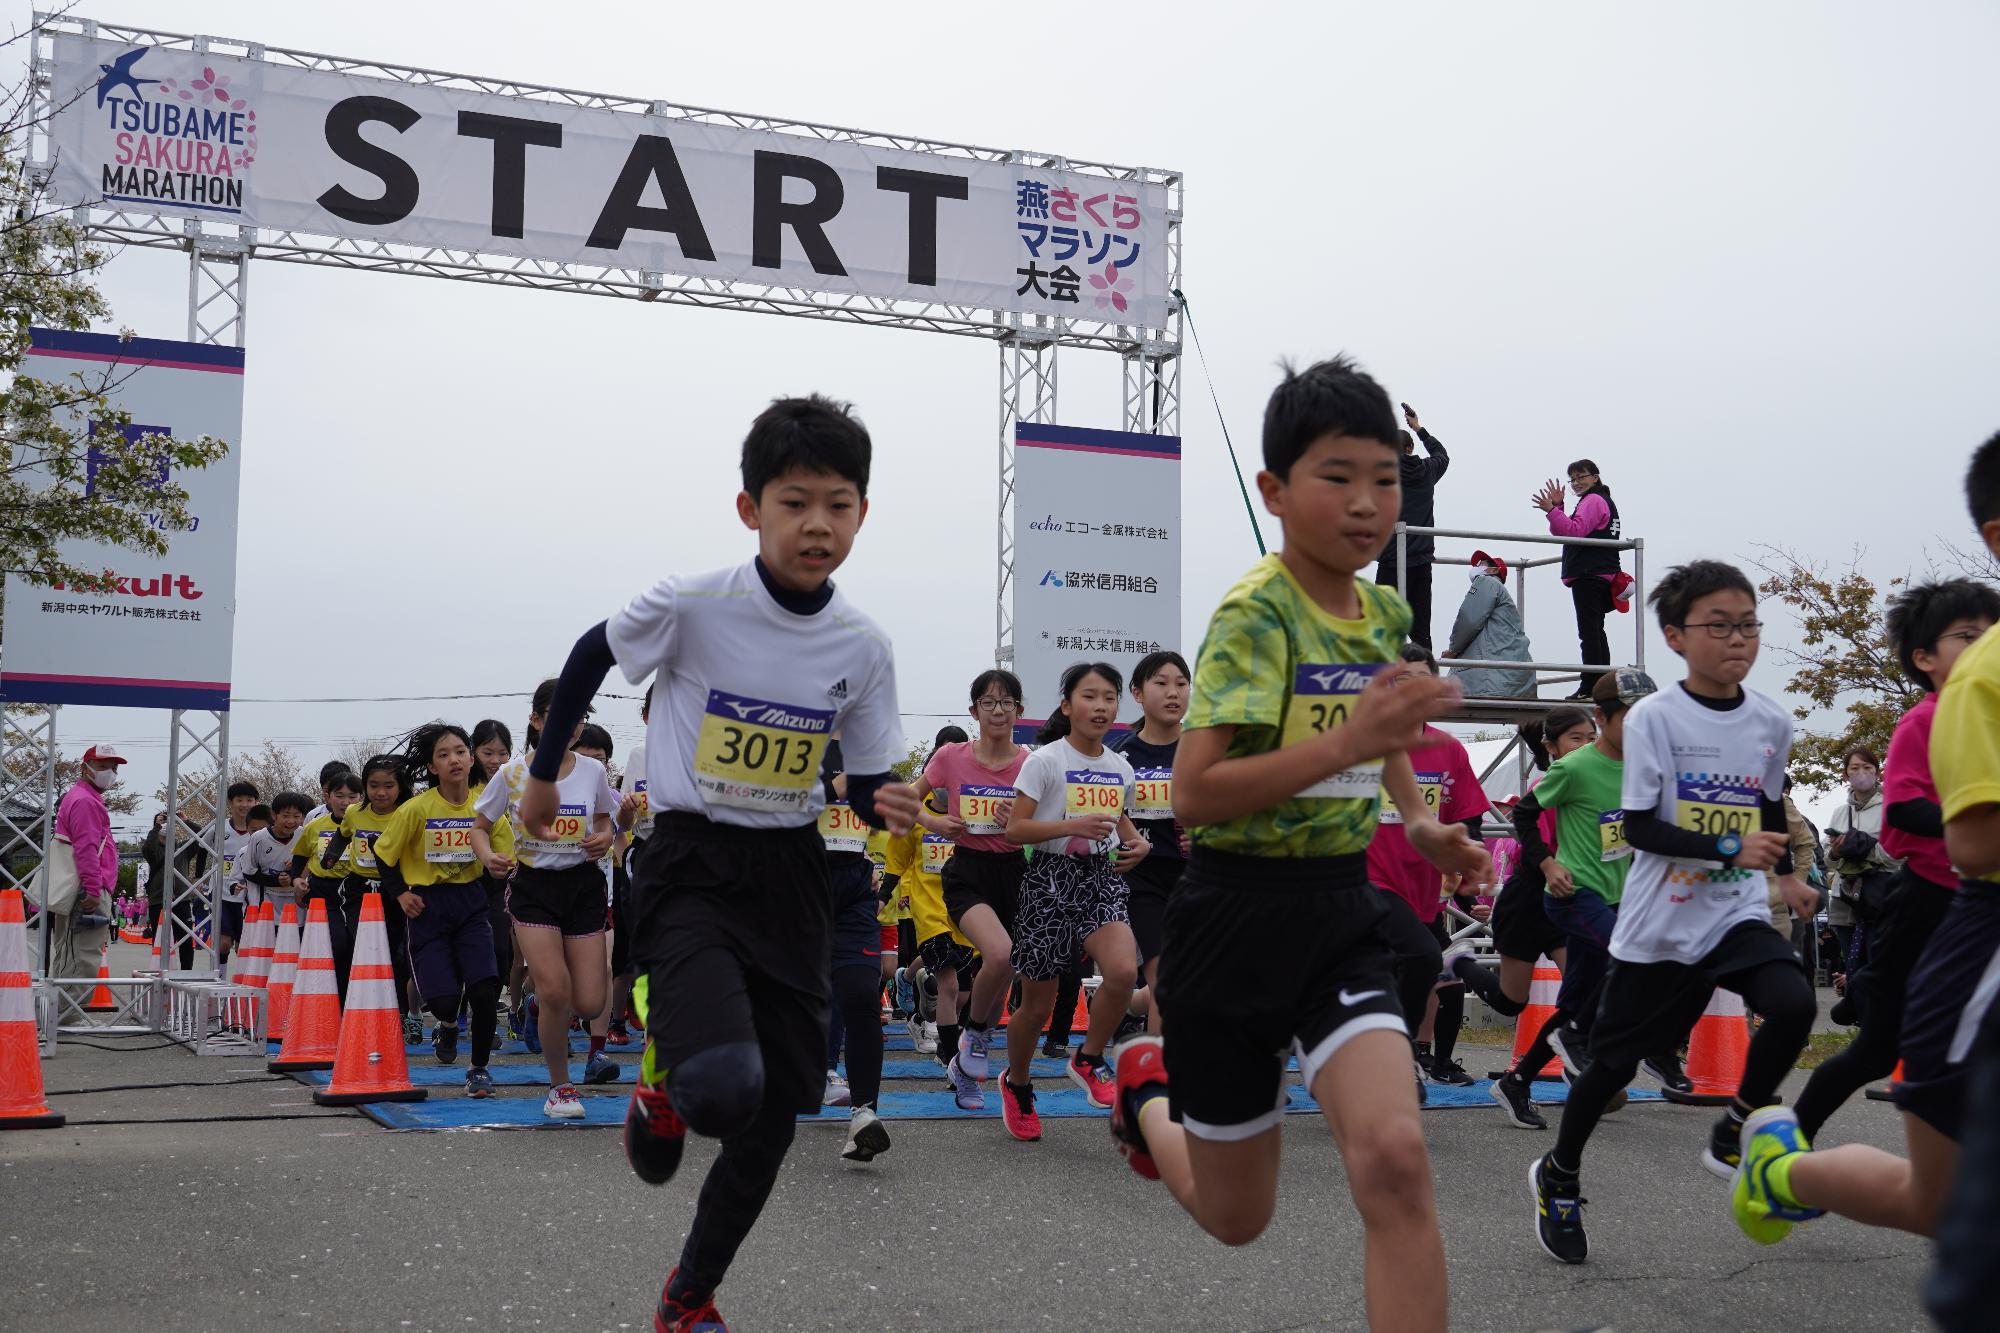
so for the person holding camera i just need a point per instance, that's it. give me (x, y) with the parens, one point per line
(1419, 477)
(1862, 870)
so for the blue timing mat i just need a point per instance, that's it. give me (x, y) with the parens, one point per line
(606, 1108)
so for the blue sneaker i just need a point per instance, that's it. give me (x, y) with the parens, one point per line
(531, 1026)
(600, 1068)
(969, 1092)
(1761, 1198)
(906, 991)
(972, 1048)
(445, 1042)
(478, 1082)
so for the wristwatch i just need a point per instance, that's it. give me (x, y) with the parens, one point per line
(1729, 844)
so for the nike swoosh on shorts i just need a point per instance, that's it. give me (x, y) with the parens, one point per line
(1346, 997)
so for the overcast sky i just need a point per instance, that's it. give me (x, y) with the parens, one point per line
(1741, 255)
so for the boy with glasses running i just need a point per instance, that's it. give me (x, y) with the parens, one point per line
(1704, 813)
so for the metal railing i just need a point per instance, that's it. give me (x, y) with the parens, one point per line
(1559, 670)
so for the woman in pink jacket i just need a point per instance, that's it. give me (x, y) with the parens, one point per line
(1591, 572)
(85, 824)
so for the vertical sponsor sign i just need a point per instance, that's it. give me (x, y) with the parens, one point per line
(160, 635)
(1097, 557)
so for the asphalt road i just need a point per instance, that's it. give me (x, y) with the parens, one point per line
(202, 1207)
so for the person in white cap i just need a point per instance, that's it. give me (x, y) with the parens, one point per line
(83, 821)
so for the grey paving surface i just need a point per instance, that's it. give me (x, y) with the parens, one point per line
(327, 1222)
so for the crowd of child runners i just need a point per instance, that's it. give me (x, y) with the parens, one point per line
(1257, 869)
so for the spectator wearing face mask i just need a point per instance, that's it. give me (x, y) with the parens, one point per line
(78, 926)
(1488, 628)
(1862, 869)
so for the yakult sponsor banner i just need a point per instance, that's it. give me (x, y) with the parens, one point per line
(1097, 566)
(161, 637)
(166, 130)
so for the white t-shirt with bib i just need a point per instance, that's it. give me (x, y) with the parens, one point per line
(1067, 784)
(747, 695)
(1706, 770)
(580, 797)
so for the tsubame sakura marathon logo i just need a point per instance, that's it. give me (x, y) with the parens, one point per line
(173, 141)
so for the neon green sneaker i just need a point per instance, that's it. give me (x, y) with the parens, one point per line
(1761, 1198)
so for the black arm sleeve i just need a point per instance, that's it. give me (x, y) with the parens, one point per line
(1472, 826)
(1924, 819)
(1528, 831)
(1771, 815)
(1645, 830)
(830, 767)
(392, 882)
(330, 858)
(299, 866)
(589, 662)
(861, 791)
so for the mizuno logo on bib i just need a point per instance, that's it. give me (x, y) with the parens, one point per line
(756, 754)
(1323, 695)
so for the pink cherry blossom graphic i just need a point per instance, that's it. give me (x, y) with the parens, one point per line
(1111, 288)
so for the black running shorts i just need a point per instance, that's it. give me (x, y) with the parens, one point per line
(1152, 882)
(570, 900)
(1951, 992)
(1521, 928)
(1265, 957)
(1651, 1007)
(973, 877)
(733, 927)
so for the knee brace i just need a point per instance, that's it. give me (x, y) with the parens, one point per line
(719, 1091)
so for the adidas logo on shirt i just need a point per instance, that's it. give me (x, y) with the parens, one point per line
(838, 690)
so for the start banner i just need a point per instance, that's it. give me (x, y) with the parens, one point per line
(1097, 556)
(168, 130)
(161, 636)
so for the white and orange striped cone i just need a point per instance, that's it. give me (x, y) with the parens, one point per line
(1716, 1052)
(1543, 990)
(369, 1066)
(21, 1102)
(260, 936)
(284, 972)
(312, 1015)
(1887, 1092)
(101, 1000)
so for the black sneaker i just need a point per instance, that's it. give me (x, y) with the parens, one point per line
(1423, 1093)
(655, 1135)
(445, 1042)
(1666, 1070)
(1514, 1097)
(1725, 1148)
(1558, 1213)
(1449, 1072)
(1423, 1049)
(1055, 1050)
(1572, 1048)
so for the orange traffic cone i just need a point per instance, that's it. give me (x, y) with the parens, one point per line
(284, 971)
(369, 1066)
(1887, 1091)
(1543, 989)
(261, 935)
(1081, 1021)
(1716, 1051)
(21, 1104)
(101, 1000)
(312, 1018)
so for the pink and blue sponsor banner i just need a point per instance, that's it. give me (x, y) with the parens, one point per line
(160, 635)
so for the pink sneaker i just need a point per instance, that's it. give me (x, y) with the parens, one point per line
(1099, 1084)
(1140, 1065)
(1017, 1108)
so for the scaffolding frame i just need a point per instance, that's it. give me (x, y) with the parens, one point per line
(218, 279)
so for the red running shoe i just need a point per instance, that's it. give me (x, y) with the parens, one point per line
(655, 1134)
(1140, 1065)
(1094, 1076)
(1017, 1108)
(674, 1316)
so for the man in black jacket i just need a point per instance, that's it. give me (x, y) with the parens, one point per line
(1419, 477)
